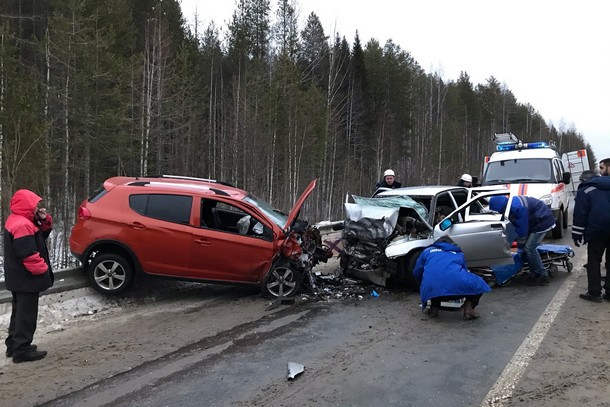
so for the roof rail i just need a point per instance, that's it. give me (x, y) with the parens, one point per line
(185, 178)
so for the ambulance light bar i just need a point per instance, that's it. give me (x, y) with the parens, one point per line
(521, 146)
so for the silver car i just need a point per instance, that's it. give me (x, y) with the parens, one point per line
(383, 236)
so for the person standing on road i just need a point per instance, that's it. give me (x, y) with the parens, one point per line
(591, 226)
(532, 218)
(27, 271)
(443, 276)
(389, 181)
(604, 170)
(465, 181)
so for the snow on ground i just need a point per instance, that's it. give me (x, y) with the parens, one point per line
(60, 308)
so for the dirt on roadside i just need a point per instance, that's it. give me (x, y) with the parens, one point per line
(571, 367)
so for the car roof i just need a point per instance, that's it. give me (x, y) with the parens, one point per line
(486, 188)
(521, 154)
(171, 183)
(424, 190)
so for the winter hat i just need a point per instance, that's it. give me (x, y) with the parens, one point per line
(466, 178)
(388, 172)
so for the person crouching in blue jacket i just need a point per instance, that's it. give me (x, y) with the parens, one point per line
(532, 218)
(443, 276)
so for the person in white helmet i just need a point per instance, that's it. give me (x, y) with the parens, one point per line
(389, 181)
(465, 181)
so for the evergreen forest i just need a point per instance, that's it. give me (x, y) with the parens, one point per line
(91, 89)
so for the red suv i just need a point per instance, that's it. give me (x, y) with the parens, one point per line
(191, 229)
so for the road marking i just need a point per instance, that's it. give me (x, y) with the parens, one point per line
(504, 387)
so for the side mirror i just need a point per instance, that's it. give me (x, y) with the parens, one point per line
(445, 224)
(567, 176)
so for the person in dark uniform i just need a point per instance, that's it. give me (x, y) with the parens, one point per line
(389, 181)
(465, 181)
(27, 271)
(591, 226)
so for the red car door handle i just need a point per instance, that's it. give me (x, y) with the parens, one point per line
(138, 225)
(202, 242)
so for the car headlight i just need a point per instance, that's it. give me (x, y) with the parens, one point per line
(547, 199)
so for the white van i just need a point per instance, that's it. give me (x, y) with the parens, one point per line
(532, 169)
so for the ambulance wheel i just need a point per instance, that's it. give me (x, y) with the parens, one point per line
(558, 229)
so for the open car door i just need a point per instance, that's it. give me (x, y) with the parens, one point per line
(483, 236)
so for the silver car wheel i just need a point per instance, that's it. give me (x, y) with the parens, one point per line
(109, 275)
(282, 282)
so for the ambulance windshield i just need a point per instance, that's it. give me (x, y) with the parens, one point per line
(530, 170)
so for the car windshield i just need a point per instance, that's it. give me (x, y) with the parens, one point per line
(402, 201)
(277, 216)
(518, 170)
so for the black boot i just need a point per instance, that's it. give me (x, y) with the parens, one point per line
(29, 356)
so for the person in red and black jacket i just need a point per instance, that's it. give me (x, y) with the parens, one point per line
(27, 271)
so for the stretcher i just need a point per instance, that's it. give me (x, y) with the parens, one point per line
(553, 256)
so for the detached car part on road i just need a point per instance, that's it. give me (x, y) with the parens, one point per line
(384, 235)
(192, 229)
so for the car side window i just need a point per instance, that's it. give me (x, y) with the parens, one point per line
(479, 210)
(225, 217)
(170, 208)
(460, 197)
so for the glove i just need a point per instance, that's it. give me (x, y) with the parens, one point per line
(578, 239)
(46, 224)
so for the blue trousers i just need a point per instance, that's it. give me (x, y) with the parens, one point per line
(533, 257)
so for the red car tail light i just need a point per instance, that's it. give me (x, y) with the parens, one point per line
(83, 213)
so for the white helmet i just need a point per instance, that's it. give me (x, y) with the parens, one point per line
(388, 172)
(466, 178)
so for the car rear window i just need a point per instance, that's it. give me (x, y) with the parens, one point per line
(170, 208)
(97, 194)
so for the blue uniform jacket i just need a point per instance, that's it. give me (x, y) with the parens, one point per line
(441, 271)
(592, 209)
(527, 214)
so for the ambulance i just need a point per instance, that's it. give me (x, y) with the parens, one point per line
(532, 169)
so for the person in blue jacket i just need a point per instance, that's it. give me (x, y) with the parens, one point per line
(443, 276)
(591, 226)
(532, 218)
(388, 181)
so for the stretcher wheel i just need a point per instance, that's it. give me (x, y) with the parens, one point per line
(553, 269)
(569, 266)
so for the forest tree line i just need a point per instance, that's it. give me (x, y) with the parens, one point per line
(90, 89)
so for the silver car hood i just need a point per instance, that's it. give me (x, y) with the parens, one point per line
(355, 212)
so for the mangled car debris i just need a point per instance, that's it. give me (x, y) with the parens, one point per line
(383, 236)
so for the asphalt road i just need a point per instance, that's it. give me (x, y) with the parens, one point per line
(371, 351)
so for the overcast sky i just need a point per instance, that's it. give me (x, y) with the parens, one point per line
(552, 54)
